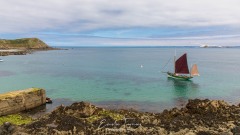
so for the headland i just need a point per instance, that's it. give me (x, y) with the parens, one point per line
(22, 46)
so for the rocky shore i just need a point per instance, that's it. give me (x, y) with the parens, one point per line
(6, 52)
(198, 117)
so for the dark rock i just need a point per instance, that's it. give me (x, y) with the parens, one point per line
(7, 128)
(205, 106)
(204, 133)
(11, 129)
(6, 125)
(81, 109)
(226, 133)
(236, 130)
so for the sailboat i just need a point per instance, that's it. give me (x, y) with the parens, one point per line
(181, 70)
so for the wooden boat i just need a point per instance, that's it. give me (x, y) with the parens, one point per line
(181, 70)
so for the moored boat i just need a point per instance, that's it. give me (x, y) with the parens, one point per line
(181, 70)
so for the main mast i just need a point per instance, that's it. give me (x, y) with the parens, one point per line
(174, 61)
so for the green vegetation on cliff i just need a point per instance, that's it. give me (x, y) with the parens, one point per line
(24, 43)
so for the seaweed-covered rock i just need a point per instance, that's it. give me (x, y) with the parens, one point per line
(7, 128)
(236, 130)
(199, 117)
(206, 106)
(81, 109)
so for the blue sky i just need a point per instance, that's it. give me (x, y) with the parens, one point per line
(122, 23)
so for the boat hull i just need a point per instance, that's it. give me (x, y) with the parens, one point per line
(179, 77)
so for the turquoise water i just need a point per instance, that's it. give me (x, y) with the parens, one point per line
(114, 76)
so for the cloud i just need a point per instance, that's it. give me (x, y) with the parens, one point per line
(121, 19)
(81, 15)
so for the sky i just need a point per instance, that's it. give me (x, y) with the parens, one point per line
(122, 22)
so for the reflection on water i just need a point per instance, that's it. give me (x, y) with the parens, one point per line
(6, 73)
(182, 89)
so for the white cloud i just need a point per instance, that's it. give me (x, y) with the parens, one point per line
(70, 21)
(80, 15)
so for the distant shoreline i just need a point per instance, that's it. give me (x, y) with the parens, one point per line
(6, 52)
(68, 47)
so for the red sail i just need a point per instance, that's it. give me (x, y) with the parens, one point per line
(181, 65)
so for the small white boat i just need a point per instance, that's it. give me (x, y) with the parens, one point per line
(1, 60)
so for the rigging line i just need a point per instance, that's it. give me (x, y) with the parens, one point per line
(166, 64)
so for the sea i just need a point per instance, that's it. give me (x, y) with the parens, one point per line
(124, 77)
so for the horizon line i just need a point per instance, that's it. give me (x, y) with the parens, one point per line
(145, 46)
